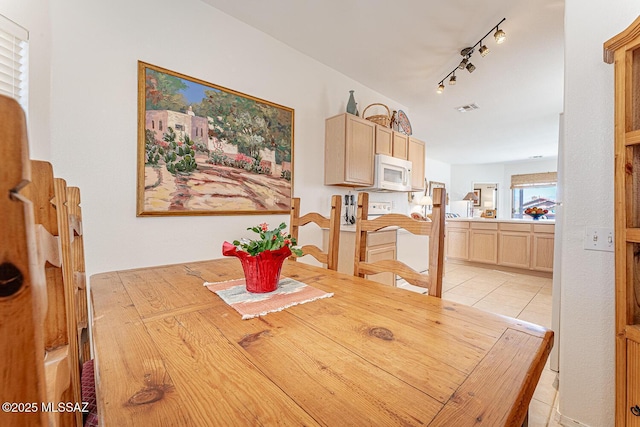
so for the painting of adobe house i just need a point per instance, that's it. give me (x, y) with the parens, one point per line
(207, 150)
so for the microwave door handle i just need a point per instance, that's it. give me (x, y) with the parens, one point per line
(407, 177)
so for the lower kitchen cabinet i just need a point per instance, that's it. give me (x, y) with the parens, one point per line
(514, 247)
(543, 242)
(515, 244)
(380, 245)
(483, 243)
(457, 240)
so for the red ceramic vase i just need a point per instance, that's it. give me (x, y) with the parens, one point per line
(261, 272)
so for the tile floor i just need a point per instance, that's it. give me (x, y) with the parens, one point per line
(517, 295)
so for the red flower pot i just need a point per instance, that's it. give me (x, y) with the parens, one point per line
(261, 272)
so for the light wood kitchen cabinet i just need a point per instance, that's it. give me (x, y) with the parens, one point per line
(457, 240)
(543, 242)
(514, 246)
(416, 155)
(400, 145)
(349, 151)
(483, 243)
(384, 140)
(624, 51)
(380, 245)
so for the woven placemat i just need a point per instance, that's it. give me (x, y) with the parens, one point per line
(290, 292)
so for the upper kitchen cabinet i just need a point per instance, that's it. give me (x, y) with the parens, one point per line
(349, 149)
(416, 154)
(400, 145)
(384, 140)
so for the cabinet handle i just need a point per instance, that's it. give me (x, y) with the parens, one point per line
(635, 410)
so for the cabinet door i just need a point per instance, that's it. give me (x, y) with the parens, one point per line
(384, 140)
(417, 158)
(400, 145)
(483, 246)
(542, 252)
(379, 253)
(457, 244)
(359, 151)
(514, 249)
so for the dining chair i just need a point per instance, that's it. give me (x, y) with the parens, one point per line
(39, 365)
(332, 223)
(432, 279)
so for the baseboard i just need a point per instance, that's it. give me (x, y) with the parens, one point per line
(566, 421)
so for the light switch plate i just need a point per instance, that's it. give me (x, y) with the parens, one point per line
(598, 239)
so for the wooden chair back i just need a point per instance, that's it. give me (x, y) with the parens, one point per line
(434, 229)
(39, 360)
(332, 223)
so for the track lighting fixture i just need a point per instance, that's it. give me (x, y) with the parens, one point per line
(484, 50)
(499, 36)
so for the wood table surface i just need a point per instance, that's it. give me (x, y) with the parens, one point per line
(169, 352)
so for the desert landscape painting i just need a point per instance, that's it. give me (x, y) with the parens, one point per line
(207, 150)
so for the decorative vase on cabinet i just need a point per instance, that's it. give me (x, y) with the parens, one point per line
(352, 108)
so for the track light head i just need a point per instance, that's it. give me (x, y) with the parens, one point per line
(452, 80)
(484, 50)
(499, 35)
(470, 67)
(463, 63)
(440, 88)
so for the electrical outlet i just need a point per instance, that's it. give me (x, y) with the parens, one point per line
(598, 239)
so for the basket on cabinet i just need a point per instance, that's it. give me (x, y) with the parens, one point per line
(380, 119)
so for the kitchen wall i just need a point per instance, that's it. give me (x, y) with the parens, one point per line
(92, 78)
(464, 176)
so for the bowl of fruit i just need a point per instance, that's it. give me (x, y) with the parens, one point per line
(536, 212)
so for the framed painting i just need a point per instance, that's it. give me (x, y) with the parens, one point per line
(207, 150)
(478, 193)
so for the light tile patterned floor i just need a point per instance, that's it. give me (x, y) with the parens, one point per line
(517, 295)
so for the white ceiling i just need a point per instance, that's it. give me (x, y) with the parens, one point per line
(402, 49)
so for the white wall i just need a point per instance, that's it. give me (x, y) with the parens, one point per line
(96, 46)
(587, 294)
(464, 176)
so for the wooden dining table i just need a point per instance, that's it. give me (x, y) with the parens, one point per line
(169, 352)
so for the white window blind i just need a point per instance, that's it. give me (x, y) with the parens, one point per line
(534, 180)
(14, 54)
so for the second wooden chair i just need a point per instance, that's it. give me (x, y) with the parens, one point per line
(332, 223)
(434, 229)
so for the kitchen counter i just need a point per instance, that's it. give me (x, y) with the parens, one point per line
(515, 243)
(515, 220)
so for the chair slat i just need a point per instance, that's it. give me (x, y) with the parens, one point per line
(330, 257)
(434, 229)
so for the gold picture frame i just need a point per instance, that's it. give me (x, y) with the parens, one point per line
(204, 149)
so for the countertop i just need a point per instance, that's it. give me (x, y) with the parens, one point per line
(520, 221)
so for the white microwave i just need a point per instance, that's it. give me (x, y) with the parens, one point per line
(391, 174)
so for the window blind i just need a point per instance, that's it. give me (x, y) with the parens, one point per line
(14, 45)
(544, 179)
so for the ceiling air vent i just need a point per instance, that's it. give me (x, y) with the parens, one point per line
(468, 107)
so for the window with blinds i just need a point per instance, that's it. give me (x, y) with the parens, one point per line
(534, 190)
(14, 54)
